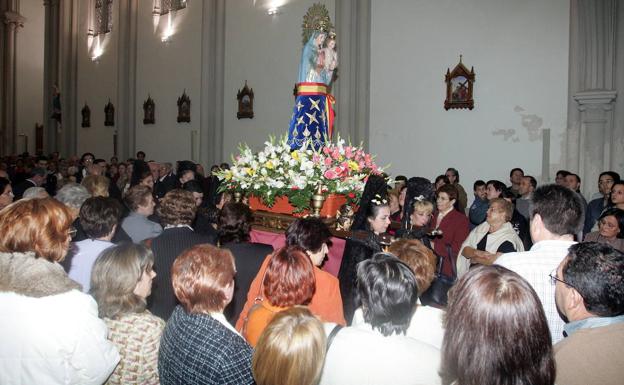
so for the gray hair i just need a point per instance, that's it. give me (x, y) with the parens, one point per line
(72, 195)
(35, 192)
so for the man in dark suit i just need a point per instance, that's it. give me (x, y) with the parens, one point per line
(37, 178)
(234, 227)
(166, 182)
(176, 211)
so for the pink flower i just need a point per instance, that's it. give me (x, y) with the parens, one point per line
(326, 150)
(328, 161)
(316, 158)
(348, 152)
(330, 174)
(335, 153)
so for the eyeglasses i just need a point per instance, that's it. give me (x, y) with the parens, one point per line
(554, 279)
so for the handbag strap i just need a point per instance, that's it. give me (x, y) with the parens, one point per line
(331, 336)
(449, 252)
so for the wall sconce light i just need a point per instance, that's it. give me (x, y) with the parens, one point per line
(168, 32)
(273, 11)
(97, 52)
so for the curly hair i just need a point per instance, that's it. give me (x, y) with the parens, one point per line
(36, 225)
(289, 278)
(234, 223)
(177, 208)
(419, 258)
(200, 278)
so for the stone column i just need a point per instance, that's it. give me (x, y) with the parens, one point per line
(12, 21)
(352, 87)
(590, 134)
(67, 142)
(127, 105)
(595, 136)
(212, 82)
(51, 73)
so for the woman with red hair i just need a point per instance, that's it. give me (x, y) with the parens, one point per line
(50, 330)
(288, 281)
(198, 345)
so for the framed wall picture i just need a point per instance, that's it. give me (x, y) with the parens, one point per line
(109, 114)
(184, 108)
(86, 116)
(148, 111)
(459, 87)
(245, 103)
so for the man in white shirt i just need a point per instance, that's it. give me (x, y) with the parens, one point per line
(555, 218)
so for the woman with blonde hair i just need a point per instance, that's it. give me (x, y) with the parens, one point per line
(291, 350)
(50, 330)
(97, 185)
(121, 281)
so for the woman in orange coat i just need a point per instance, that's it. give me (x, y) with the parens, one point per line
(288, 281)
(313, 236)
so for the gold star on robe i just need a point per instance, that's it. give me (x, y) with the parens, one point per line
(312, 117)
(299, 105)
(315, 104)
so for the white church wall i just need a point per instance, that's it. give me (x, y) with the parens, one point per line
(264, 50)
(519, 51)
(29, 73)
(96, 85)
(164, 71)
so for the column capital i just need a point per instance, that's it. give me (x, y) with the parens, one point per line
(13, 19)
(595, 99)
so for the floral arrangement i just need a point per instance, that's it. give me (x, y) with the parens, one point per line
(277, 171)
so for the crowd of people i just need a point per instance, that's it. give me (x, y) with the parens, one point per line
(140, 272)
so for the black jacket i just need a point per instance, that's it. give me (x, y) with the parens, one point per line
(360, 246)
(248, 258)
(166, 247)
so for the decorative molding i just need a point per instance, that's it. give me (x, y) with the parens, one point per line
(595, 99)
(14, 19)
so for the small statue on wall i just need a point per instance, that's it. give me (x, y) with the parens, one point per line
(245, 102)
(459, 87)
(184, 108)
(109, 114)
(148, 111)
(86, 116)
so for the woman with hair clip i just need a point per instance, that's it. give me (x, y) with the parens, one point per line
(417, 210)
(370, 222)
(121, 281)
(516, 349)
